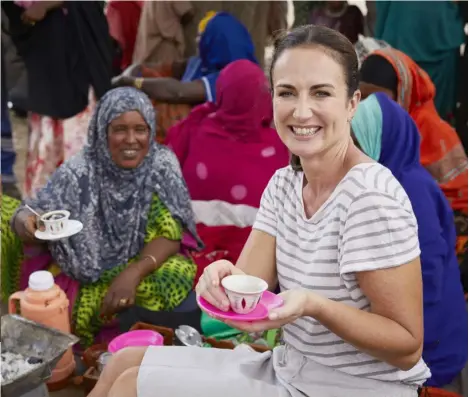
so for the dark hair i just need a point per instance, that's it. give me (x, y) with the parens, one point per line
(333, 42)
(377, 70)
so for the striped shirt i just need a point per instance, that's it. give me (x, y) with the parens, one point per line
(367, 223)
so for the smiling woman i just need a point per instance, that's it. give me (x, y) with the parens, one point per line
(339, 237)
(128, 139)
(128, 192)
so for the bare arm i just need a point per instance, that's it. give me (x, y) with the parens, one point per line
(124, 287)
(258, 257)
(393, 329)
(50, 5)
(160, 249)
(174, 91)
(169, 90)
(135, 70)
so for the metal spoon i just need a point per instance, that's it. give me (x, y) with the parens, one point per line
(34, 212)
(189, 336)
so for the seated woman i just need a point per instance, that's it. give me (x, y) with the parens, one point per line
(352, 313)
(228, 152)
(227, 149)
(441, 153)
(223, 39)
(129, 194)
(387, 134)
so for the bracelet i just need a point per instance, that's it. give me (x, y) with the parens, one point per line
(138, 83)
(151, 257)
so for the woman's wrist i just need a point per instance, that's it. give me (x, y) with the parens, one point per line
(134, 273)
(142, 267)
(314, 304)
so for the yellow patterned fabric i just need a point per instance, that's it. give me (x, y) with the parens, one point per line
(164, 289)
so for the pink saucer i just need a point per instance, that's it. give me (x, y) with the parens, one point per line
(268, 302)
(139, 337)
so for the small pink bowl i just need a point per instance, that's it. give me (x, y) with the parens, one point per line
(141, 337)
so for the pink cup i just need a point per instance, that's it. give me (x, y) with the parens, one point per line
(140, 337)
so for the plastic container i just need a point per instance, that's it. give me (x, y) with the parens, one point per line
(136, 338)
(45, 303)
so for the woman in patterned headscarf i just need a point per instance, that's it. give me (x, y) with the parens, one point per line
(129, 194)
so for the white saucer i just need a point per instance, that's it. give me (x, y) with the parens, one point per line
(73, 227)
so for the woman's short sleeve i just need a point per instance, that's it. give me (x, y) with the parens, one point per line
(379, 232)
(266, 219)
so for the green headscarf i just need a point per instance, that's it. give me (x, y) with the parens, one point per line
(367, 126)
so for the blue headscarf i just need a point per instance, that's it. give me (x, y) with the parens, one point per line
(445, 313)
(111, 202)
(223, 41)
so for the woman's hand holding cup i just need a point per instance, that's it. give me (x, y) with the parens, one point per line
(25, 225)
(209, 285)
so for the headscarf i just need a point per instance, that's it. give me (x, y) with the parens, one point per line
(238, 114)
(444, 346)
(111, 202)
(203, 22)
(224, 40)
(235, 129)
(441, 152)
(371, 119)
(365, 45)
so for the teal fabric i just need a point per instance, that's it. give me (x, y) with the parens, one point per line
(212, 328)
(367, 126)
(431, 33)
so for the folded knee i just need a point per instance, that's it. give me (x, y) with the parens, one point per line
(126, 384)
(133, 355)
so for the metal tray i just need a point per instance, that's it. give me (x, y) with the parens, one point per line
(31, 339)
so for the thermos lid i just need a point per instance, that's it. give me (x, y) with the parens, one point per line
(41, 281)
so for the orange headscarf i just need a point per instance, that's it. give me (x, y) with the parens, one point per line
(441, 151)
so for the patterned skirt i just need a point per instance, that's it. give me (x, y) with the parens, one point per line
(164, 289)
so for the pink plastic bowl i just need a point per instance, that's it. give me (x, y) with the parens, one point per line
(141, 337)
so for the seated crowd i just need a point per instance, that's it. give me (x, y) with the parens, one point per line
(353, 206)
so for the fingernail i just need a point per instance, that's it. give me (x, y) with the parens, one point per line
(273, 316)
(225, 303)
(215, 283)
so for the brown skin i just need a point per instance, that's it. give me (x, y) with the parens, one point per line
(135, 70)
(38, 10)
(166, 89)
(25, 225)
(128, 132)
(367, 89)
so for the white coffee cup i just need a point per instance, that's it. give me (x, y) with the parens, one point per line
(244, 292)
(55, 222)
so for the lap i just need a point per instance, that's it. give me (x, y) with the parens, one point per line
(199, 372)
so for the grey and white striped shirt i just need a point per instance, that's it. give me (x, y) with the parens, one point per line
(367, 223)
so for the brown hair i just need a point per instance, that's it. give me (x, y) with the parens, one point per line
(333, 42)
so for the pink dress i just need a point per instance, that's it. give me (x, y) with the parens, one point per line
(227, 150)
